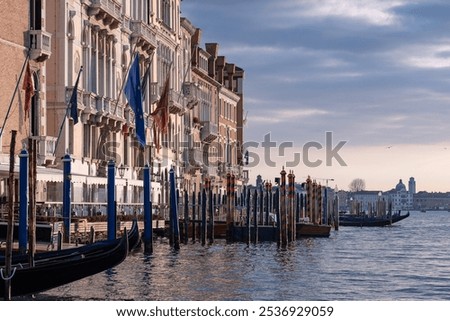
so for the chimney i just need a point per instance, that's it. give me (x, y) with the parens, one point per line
(213, 50)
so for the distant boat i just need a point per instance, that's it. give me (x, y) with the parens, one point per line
(364, 220)
(48, 274)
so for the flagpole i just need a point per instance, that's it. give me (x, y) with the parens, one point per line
(67, 111)
(14, 94)
(125, 78)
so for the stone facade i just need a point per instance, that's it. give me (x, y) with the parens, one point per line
(102, 37)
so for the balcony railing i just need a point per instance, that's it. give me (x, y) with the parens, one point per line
(175, 102)
(40, 45)
(45, 149)
(144, 33)
(209, 131)
(190, 93)
(109, 11)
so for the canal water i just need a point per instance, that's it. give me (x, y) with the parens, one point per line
(407, 261)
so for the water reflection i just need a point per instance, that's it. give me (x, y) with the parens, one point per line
(410, 261)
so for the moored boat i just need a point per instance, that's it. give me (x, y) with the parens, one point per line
(133, 241)
(48, 274)
(364, 220)
(306, 229)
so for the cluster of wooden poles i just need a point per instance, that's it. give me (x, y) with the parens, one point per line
(258, 214)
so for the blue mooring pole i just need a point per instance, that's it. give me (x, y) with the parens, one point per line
(111, 205)
(148, 227)
(174, 211)
(23, 207)
(67, 162)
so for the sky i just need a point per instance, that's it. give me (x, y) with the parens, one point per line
(373, 74)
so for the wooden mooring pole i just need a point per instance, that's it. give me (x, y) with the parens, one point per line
(283, 226)
(9, 234)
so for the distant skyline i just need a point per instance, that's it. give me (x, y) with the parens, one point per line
(374, 73)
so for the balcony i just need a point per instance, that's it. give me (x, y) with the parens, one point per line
(209, 131)
(143, 32)
(190, 93)
(40, 45)
(195, 158)
(109, 11)
(45, 149)
(175, 102)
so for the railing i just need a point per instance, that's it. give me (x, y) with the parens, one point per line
(195, 158)
(45, 148)
(209, 131)
(142, 30)
(190, 91)
(111, 7)
(175, 102)
(40, 45)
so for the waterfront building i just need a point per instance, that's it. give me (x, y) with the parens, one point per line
(367, 200)
(412, 186)
(431, 201)
(203, 100)
(24, 41)
(400, 198)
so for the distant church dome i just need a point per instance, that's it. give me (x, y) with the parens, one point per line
(400, 186)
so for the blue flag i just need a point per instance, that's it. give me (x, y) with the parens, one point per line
(73, 103)
(134, 97)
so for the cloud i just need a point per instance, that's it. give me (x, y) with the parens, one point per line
(371, 12)
(374, 72)
(276, 115)
(434, 56)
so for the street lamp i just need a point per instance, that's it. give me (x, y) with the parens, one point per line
(121, 170)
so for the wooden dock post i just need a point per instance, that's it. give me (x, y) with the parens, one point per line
(10, 227)
(308, 200)
(277, 211)
(194, 206)
(320, 203)
(211, 215)
(186, 217)
(336, 213)
(255, 216)
(247, 204)
(174, 211)
(203, 224)
(283, 226)
(148, 217)
(32, 158)
(290, 211)
(314, 202)
(23, 201)
(266, 203)
(229, 216)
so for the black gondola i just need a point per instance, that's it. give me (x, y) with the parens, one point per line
(362, 220)
(44, 257)
(48, 274)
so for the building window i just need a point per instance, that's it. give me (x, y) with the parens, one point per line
(165, 13)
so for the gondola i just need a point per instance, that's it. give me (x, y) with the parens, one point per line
(43, 257)
(363, 220)
(48, 274)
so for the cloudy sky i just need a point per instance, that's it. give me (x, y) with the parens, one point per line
(374, 73)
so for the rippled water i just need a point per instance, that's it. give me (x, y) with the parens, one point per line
(408, 261)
